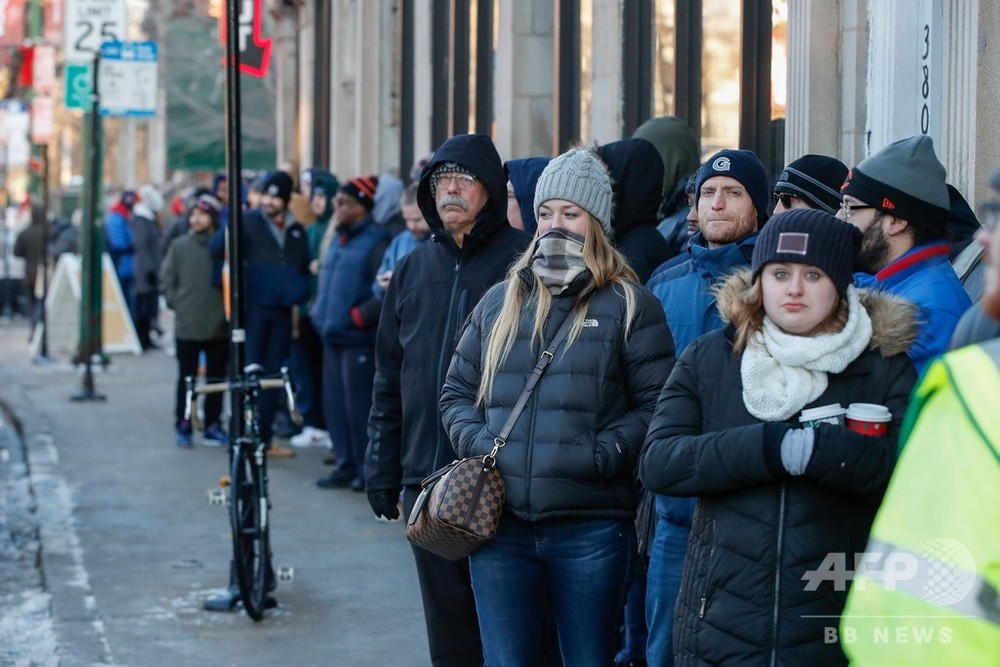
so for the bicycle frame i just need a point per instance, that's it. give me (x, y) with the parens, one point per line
(248, 498)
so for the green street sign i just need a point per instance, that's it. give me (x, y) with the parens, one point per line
(78, 83)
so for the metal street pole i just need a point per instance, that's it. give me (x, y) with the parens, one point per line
(90, 333)
(237, 301)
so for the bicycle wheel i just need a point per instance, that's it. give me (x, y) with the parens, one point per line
(251, 536)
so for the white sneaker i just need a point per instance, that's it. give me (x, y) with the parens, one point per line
(310, 437)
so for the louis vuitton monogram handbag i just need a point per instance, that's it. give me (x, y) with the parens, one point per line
(459, 506)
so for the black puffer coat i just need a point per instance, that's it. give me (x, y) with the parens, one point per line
(574, 449)
(431, 295)
(757, 530)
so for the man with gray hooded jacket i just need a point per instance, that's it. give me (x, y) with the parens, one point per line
(463, 197)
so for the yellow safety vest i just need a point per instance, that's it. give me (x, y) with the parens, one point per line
(925, 592)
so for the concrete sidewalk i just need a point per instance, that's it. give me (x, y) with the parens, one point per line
(128, 546)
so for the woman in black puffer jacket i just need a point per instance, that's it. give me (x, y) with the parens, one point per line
(782, 510)
(569, 463)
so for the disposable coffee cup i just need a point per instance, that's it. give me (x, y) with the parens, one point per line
(868, 418)
(824, 414)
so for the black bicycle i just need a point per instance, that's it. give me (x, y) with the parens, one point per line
(248, 500)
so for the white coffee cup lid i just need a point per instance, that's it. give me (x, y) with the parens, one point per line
(822, 412)
(868, 412)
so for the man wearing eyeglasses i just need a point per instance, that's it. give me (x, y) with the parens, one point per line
(898, 198)
(463, 197)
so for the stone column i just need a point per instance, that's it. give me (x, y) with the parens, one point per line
(813, 123)
(606, 72)
(285, 108)
(986, 128)
(523, 82)
(854, 72)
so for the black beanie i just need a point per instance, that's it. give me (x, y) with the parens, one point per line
(361, 188)
(816, 179)
(809, 236)
(279, 184)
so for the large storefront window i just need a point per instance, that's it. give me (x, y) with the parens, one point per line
(664, 62)
(720, 75)
(779, 58)
(586, 66)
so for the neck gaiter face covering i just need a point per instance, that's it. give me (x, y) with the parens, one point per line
(558, 259)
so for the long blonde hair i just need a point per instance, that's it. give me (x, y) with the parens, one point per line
(606, 266)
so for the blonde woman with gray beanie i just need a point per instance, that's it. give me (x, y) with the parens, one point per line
(569, 461)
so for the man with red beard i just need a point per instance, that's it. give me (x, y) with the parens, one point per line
(945, 490)
(731, 193)
(899, 199)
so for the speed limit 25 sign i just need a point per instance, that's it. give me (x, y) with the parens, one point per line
(89, 23)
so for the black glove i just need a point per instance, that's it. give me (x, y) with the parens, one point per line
(384, 502)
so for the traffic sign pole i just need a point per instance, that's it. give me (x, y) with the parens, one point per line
(90, 297)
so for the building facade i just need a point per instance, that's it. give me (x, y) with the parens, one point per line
(372, 86)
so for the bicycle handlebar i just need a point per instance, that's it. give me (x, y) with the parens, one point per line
(251, 382)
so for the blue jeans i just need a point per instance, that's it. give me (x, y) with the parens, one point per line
(580, 565)
(663, 583)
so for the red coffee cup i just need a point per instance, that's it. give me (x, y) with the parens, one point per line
(868, 418)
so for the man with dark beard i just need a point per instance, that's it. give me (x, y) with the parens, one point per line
(936, 490)
(731, 194)
(898, 198)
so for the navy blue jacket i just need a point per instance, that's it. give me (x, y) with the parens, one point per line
(274, 276)
(346, 310)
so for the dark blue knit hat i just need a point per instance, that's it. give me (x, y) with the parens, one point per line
(746, 168)
(809, 236)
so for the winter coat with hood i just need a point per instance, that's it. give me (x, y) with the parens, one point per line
(523, 175)
(146, 235)
(185, 279)
(758, 531)
(678, 147)
(328, 183)
(430, 296)
(118, 239)
(637, 180)
(572, 452)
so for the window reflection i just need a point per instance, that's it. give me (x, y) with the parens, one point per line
(664, 80)
(586, 66)
(779, 58)
(720, 75)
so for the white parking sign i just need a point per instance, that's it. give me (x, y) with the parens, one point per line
(91, 22)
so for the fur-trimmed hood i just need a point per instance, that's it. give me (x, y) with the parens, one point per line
(894, 320)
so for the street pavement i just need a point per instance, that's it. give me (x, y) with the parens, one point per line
(109, 544)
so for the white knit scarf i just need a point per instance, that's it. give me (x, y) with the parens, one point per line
(783, 373)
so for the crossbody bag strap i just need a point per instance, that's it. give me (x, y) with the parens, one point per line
(536, 374)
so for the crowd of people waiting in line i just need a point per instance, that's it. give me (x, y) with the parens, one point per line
(667, 499)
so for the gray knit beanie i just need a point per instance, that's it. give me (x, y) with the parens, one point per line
(579, 176)
(902, 179)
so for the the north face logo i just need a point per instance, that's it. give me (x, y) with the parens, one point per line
(721, 164)
(589, 322)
